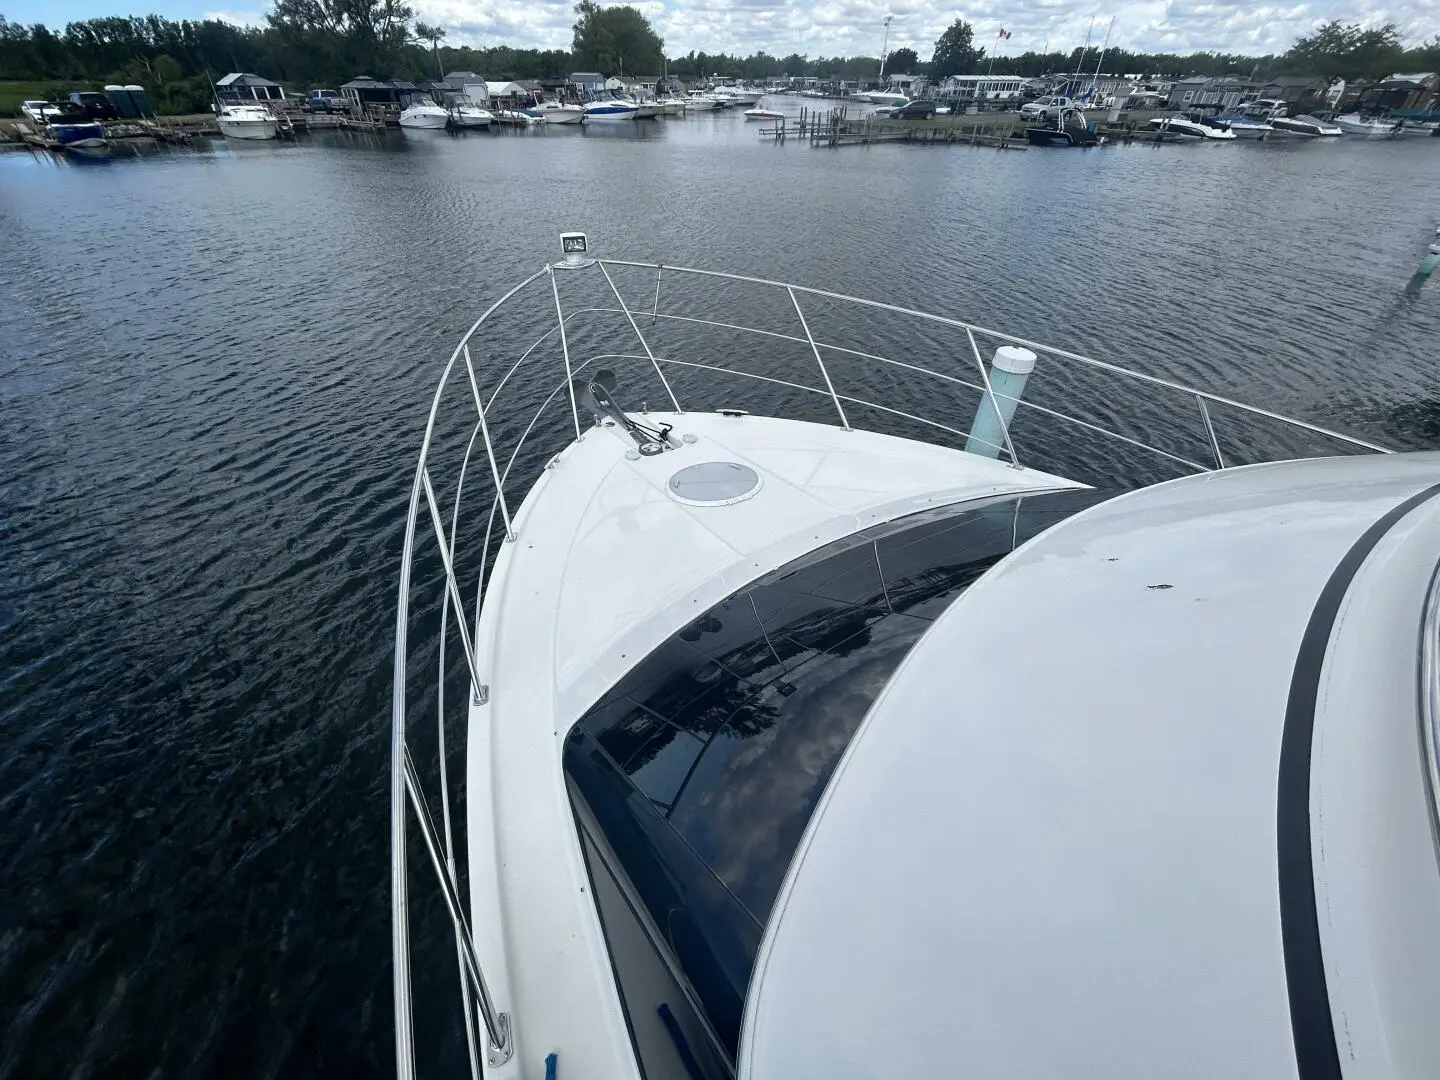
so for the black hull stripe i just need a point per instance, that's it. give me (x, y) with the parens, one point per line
(1316, 1054)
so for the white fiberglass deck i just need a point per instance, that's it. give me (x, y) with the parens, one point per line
(606, 565)
(1086, 875)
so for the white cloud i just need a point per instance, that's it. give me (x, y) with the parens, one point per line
(854, 27)
(238, 18)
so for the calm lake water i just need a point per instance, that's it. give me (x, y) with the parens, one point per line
(215, 367)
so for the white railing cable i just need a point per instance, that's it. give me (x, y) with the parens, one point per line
(822, 393)
(565, 352)
(1210, 430)
(490, 449)
(497, 1024)
(449, 835)
(399, 884)
(453, 586)
(990, 396)
(643, 343)
(845, 423)
(926, 316)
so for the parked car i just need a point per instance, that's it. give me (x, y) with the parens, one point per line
(41, 112)
(1049, 107)
(323, 101)
(94, 106)
(923, 108)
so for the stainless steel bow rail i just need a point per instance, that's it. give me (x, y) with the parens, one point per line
(487, 1026)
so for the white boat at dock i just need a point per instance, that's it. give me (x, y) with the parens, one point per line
(423, 114)
(1029, 714)
(763, 114)
(696, 101)
(1244, 127)
(1187, 130)
(882, 97)
(610, 110)
(246, 122)
(1306, 126)
(466, 114)
(516, 118)
(1368, 127)
(558, 112)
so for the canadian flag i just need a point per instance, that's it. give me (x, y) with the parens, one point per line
(1003, 33)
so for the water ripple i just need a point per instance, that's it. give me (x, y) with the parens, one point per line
(215, 367)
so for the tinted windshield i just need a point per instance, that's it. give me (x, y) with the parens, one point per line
(701, 768)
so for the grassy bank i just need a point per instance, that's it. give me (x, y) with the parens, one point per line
(12, 93)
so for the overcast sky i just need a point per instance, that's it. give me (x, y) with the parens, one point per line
(854, 27)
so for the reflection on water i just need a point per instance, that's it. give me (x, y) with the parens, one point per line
(216, 365)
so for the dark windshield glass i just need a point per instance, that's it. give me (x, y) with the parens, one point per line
(703, 766)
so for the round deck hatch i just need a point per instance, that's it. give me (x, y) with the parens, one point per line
(714, 483)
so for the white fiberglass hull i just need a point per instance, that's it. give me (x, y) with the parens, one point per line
(248, 129)
(423, 121)
(609, 112)
(565, 114)
(700, 104)
(1366, 129)
(1250, 131)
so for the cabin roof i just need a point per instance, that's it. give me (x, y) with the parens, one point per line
(244, 78)
(1054, 838)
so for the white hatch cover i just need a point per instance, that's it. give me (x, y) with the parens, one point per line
(714, 483)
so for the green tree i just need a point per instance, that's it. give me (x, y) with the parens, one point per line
(434, 35)
(338, 37)
(902, 62)
(955, 52)
(1347, 50)
(615, 40)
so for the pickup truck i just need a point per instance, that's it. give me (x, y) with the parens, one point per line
(323, 101)
(1050, 107)
(94, 105)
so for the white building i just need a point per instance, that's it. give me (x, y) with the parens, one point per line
(990, 91)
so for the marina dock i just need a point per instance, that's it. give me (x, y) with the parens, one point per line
(1005, 131)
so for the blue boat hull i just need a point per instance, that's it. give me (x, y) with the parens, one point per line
(81, 135)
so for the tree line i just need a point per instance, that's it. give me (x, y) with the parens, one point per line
(306, 43)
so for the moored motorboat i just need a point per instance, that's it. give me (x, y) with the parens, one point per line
(1068, 128)
(1368, 127)
(79, 134)
(609, 110)
(516, 118)
(423, 113)
(884, 97)
(247, 122)
(696, 101)
(763, 114)
(466, 114)
(646, 110)
(1243, 126)
(1305, 125)
(558, 112)
(672, 105)
(741, 684)
(1184, 129)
